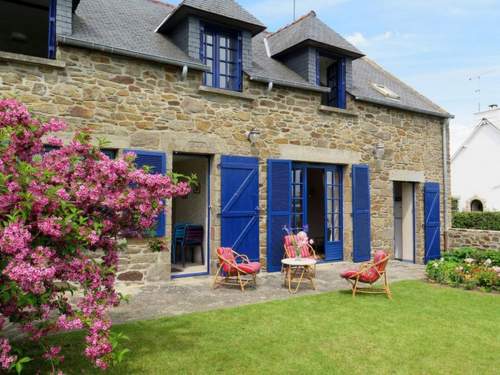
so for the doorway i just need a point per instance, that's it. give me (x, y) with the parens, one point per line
(404, 221)
(190, 218)
(317, 207)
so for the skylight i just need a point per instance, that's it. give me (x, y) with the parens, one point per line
(387, 92)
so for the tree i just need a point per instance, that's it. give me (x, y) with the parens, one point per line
(56, 209)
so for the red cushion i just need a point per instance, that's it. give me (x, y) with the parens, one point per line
(252, 267)
(369, 276)
(288, 242)
(379, 255)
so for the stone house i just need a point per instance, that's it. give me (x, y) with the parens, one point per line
(291, 128)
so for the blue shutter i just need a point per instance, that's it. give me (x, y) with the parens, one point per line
(240, 205)
(432, 221)
(318, 69)
(158, 163)
(278, 209)
(361, 213)
(239, 63)
(341, 76)
(52, 29)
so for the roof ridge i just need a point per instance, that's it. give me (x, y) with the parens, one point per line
(311, 13)
(376, 65)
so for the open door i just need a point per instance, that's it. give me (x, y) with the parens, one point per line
(333, 213)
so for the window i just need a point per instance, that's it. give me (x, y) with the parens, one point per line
(28, 27)
(331, 72)
(476, 205)
(387, 92)
(221, 51)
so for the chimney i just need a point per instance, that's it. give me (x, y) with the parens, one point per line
(493, 106)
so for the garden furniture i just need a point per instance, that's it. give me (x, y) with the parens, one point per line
(235, 269)
(297, 270)
(370, 273)
(290, 243)
(188, 236)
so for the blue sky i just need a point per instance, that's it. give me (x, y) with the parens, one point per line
(433, 45)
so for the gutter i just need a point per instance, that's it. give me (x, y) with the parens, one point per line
(123, 52)
(446, 126)
(404, 107)
(289, 84)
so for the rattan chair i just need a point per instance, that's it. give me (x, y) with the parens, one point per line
(235, 269)
(370, 273)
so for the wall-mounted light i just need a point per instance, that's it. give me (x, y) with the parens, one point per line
(253, 135)
(184, 72)
(379, 151)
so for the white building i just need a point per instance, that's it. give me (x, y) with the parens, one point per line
(475, 166)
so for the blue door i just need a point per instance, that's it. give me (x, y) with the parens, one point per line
(240, 205)
(432, 222)
(333, 213)
(361, 232)
(278, 209)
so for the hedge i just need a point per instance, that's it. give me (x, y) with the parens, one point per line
(477, 220)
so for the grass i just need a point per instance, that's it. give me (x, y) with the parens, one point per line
(426, 329)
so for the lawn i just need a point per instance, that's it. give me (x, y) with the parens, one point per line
(425, 329)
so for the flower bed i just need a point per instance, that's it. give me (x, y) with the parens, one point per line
(468, 268)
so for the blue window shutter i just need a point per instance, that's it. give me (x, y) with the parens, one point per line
(278, 209)
(52, 29)
(158, 163)
(361, 230)
(341, 96)
(239, 65)
(240, 205)
(432, 223)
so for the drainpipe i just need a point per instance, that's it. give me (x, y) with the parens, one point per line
(446, 126)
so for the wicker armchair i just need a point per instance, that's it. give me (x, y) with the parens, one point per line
(235, 269)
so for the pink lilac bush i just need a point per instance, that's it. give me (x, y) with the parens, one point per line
(55, 209)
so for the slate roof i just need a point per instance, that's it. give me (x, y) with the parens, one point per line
(229, 9)
(128, 28)
(309, 29)
(366, 72)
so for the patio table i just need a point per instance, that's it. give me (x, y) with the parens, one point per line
(297, 270)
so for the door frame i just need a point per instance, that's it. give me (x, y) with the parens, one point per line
(340, 168)
(209, 159)
(414, 221)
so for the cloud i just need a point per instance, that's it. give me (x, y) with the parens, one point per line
(359, 40)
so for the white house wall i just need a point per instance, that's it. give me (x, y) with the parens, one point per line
(475, 170)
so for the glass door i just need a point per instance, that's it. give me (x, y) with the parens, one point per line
(299, 201)
(333, 213)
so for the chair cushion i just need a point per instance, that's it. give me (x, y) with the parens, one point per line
(379, 255)
(288, 242)
(369, 276)
(252, 267)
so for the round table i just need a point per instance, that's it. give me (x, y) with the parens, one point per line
(298, 270)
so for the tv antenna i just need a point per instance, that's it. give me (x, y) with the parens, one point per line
(478, 89)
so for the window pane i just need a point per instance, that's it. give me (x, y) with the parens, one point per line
(329, 177)
(210, 65)
(209, 51)
(297, 191)
(336, 192)
(222, 68)
(337, 234)
(223, 54)
(330, 192)
(222, 82)
(232, 83)
(232, 43)
(231, 55)
(208, 79)
(336, 178)
(329, 205)
(297, 205)
(232, 69)
(297, 175)
(222, 41)
(336, 206)
(209, 38)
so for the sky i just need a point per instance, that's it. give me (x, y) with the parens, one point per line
(449, 50)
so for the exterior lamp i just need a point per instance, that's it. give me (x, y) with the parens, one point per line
(379, 151)
(253, 135)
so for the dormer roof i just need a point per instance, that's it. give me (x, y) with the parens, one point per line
(310, 30)
(226, 12)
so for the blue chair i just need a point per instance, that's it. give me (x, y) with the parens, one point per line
(177, 238)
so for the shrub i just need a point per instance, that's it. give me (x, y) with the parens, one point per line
(466, 267)
(55, 209)
(477, 220)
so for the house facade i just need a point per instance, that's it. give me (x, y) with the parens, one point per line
(474, 186)
(294, 128)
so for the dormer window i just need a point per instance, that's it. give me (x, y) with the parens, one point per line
(221, 52)
(332, 74)
(28, 27)
(386, 91)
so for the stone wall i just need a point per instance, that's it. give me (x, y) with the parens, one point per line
(481, 239)
(138, 104)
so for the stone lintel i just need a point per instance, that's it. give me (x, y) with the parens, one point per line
(406, 176)
(328, 109)
(32, 60)
(319, 155)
